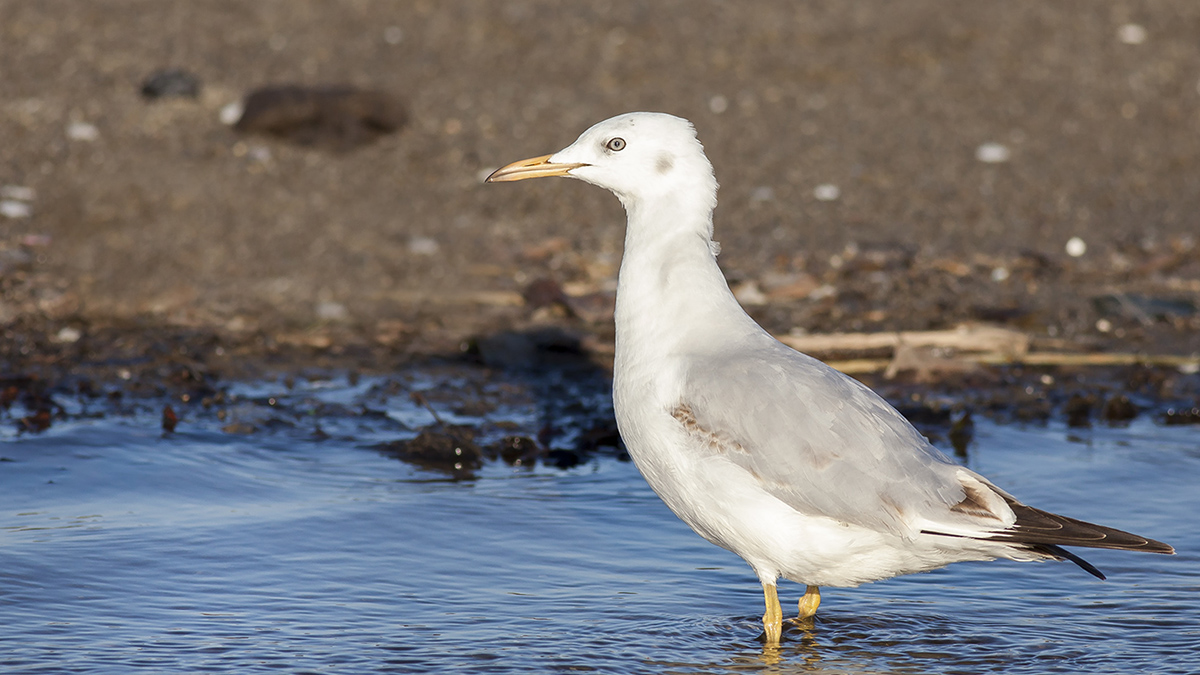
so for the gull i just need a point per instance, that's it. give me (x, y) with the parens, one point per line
(804, 472)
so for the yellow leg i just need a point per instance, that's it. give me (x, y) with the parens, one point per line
(773, 619)
(810, 602)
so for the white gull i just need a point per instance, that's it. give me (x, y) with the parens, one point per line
(802, 471)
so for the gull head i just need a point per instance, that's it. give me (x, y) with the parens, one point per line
(639, 156)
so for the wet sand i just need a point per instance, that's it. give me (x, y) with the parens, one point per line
(883, 167)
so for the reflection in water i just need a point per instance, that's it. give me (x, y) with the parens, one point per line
(283, 550)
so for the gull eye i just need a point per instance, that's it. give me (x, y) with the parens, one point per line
(615, 144)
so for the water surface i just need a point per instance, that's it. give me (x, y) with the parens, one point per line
(286, 550)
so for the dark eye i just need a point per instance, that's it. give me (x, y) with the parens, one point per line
(616, 144)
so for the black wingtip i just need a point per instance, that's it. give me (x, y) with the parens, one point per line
(1063, 554)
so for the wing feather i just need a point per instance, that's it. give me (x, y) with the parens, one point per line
(818, 440)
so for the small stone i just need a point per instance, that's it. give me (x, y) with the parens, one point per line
(427, 246)
(171, 82)
(11, 208)
(231, 113)
(993, 153)
(1000, 274)
(827, 192)
(82, 131)
(718, 104)
(1131, 34)
(1076, 247)
(68, 335)
(1104, 325)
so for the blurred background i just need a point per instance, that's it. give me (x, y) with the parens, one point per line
(882, 165)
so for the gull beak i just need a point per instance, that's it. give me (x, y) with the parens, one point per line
(534, 167)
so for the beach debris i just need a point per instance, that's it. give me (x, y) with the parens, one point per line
(993, 153)
(171, 83)
(827, 192)
(339, 117)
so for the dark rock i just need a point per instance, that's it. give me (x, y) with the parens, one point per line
(171, 82)
(563, 459)
(169, 419)
(1078, 410)
(337, 117)
(1118, 409)
(515, 450)
(447, 449)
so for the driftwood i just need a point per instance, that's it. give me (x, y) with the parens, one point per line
(961, 349)
(955, 350)
(968, 337)
(1073, 359)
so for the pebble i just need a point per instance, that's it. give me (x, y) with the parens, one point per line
(718, 104)
(82, 131)
(171, 82)
(68, 335)
(1131, 34)
(993, 153)
(423, 246)
(827, 192)
(1076, 247)
(231, 113)
(1000, 274)
(11, 208)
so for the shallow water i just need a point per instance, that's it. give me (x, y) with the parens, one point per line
(123, 549)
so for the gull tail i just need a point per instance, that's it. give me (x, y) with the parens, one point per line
(1046, 533)
(1035, 526)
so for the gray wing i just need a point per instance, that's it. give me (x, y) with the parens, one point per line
(822, 442)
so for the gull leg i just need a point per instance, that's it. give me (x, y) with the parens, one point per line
(810, 602)
(773, 619)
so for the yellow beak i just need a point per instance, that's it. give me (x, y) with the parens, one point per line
(534, 167)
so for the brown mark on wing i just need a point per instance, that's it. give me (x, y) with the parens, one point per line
(715, 441)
